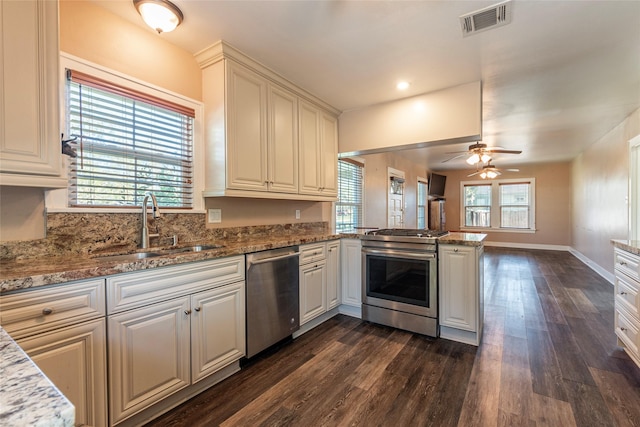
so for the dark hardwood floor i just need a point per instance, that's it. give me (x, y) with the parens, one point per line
(548, 358)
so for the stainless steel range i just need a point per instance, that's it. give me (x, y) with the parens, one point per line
(400, 279)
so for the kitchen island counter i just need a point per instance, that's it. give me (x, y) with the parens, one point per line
(632, 246)
(465, 239)
(27, 397)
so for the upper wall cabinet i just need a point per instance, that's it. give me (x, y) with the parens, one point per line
(29, 111)
(259, 137)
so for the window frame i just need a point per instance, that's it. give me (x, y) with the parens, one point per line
(496, 207)
(425, 183)
(358, 162)
(57, 200)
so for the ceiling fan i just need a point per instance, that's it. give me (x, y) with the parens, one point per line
(490, 171)
(479, 152)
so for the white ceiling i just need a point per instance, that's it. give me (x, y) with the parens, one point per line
(555, 80)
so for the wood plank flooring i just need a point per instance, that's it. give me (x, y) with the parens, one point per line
(548, 358)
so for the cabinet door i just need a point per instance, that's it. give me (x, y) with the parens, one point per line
(313, 297)
(217, 329)
(246, 129)
(351, 272)
(309, 164)
(458, 287)
(283, 141)
(333, 274)
(74, 359)
(148, 356)
(29, 109)
(329, 156)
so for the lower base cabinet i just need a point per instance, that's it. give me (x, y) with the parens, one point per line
(351, 272)
(319, 279)
(73, 358)
(461, 302)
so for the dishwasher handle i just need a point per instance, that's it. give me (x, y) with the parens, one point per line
(271, 259)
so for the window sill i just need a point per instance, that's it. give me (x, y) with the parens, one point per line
(499, 230)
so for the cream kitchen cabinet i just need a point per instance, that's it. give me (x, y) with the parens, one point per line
(170, 328)
(351, 274)
(29, 114)
(253, 130)
(461, 302)
(318, 151)
(319, 279)
(262, 134)
(62, 329)
(627, 302)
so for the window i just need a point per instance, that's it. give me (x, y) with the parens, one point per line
(500, 204)
(422, 203)
(349, 206)
(128, 143)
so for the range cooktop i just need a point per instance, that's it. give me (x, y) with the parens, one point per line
(407, 232)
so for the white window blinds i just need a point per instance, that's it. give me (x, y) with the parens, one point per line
(349, 206)
(128, 143)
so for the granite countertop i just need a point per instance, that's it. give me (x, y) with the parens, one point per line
(27, 397)
(32, 273)
(465, 239)
(632, 246)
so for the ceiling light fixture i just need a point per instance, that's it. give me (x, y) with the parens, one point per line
(161, 15)
(473, 159)
(402, 85)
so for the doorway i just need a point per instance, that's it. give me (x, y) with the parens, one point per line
(395, 201)
(634, 188)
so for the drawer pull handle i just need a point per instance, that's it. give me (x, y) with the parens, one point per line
(197, 309)
(47, 311)
(187, 312)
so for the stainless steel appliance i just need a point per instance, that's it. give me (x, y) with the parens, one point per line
(437, 220)
(400, 279)
(273, 304)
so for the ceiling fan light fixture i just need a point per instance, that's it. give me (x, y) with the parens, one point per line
(485, 158)
(483, 175)
(491, 174)
(473, 159)
(161, 15)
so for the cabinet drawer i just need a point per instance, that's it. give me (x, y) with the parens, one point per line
(627, 295)
(627, 263)
(35, 311)
(312, 253)
(627, 331)
(131, 290)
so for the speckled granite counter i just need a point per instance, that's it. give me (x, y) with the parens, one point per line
(27, 397)
(632, 246)
(23, 274)
(465, 239)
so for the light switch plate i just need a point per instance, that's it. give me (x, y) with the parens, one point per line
(215, 216)
(297, 213)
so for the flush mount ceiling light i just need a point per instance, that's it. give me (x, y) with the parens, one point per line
(402, 85)
(161, 15)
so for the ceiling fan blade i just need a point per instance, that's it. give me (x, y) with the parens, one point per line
(474, 174)
(512, 170)
(491, 150)
(455, 157)
(457, 152)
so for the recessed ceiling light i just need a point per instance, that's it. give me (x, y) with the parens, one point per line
(402, 85)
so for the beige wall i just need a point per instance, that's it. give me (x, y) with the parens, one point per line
(95, 34)
(21, 213)
(553, 204)
(600, 188)
(376, 187)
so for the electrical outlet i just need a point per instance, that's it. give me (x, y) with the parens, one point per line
(215, 216)
(297, 213)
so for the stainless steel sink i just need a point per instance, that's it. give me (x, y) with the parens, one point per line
(196, 248)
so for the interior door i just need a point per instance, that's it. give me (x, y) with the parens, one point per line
(395, 200)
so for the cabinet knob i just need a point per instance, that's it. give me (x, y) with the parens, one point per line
(623, 263)
(623, 329)
(47, 311)
(623, 293)
(187, 312)
(197, 309)
(455, 250)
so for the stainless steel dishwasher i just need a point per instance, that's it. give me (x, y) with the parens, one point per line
(273, 304)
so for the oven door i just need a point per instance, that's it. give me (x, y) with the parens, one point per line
(400, 280)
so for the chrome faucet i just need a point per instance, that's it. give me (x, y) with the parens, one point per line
(144, 243)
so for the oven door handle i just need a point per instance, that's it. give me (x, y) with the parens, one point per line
(400, 254)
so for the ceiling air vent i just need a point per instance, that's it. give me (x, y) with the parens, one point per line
(487, 18)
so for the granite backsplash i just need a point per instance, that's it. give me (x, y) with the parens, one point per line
(86, 234)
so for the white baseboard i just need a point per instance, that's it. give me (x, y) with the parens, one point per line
(528, 246)
(315, 322)
(592, 265)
